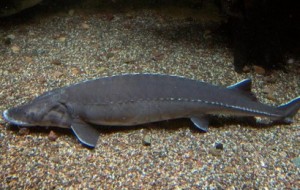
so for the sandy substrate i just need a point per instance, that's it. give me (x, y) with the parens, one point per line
(60, 49)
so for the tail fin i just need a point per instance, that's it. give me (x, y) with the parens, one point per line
(290, 109)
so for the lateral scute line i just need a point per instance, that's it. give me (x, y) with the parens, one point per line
(171, 99)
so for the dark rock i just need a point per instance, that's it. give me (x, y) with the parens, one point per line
(219, 146)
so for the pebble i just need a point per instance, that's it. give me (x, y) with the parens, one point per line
(129, 15)
(194, 66)
(8, 39)
(24, 131)
(129, 61)
(55, 159)
(28, 60)
(56, 62)
(57, 74)
(71, 12)
(109, 55)
(270, 79)
(52, 136)
(90, 158)
(108, 17)
(207, 34)
(85, 26)
(297, 141)
(269, 91)
(147, 140)
(41, 80)
(127, 25)
(228, 169)
(158, 56)
(296, 161)
(75, 71)
(15, 49)
(101, 69)
(11, 36)
(246, 69)
(283, 154)
(271, 97)
(259, 70)
(215, 152)
(62, 38)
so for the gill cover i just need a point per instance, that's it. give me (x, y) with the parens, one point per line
(39, 113)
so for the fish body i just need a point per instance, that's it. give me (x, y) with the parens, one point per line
(10, 7)
(135, 99)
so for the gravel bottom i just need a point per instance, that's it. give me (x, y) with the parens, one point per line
(57, 50)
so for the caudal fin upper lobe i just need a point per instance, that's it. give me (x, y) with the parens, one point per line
(290, 109)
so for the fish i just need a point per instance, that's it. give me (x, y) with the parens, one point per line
(135, 99)
(10, 7)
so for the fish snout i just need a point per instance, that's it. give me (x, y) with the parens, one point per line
(15, 117)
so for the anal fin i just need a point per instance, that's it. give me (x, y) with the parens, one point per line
(201, 122)
(85, 133)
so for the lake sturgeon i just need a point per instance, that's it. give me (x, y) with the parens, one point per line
(135, 99)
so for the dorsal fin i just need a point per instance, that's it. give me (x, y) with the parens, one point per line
(244, 87)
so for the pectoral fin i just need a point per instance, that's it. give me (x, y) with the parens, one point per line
(201, 122)
(85, 133)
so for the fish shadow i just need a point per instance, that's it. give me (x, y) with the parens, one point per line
(249, 122)
(39, 129)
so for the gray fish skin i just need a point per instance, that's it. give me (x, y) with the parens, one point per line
(10, 7)
(135, 99)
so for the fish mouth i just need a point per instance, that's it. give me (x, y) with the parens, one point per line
(15, 121)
